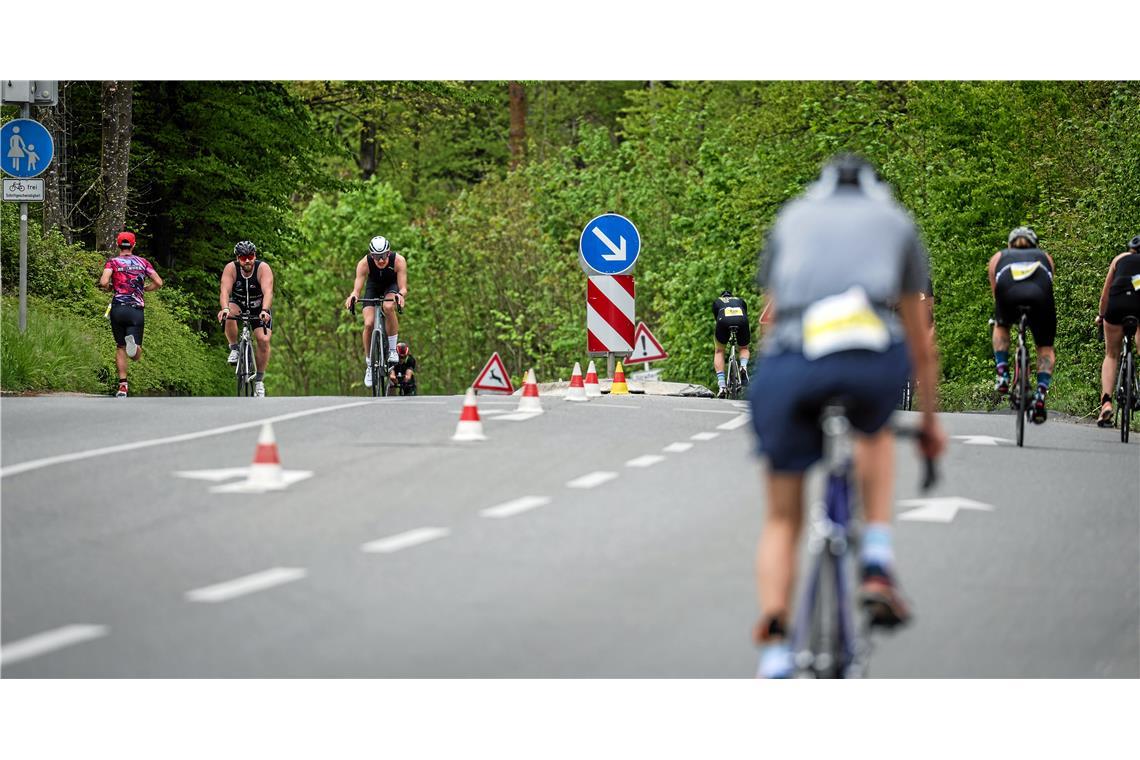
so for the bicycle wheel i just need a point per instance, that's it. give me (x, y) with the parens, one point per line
(374, 363)
(250, 368)
(1129, 398)
(733, 378)
(241, 369)
(824, 639)
(1022, 392)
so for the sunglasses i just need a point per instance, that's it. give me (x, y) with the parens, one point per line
(250, 257)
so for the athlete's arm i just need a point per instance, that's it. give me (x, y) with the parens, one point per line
(265, 279)
(402, 277)
(992, 269)
(105, 279)
(155, 281)
(361, 275)
(924, 359)
(227, 286)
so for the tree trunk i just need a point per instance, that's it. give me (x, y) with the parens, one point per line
(55, 204)
(518, 123)
(117, 105)
(367, 158)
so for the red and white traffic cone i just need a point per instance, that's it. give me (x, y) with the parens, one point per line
(470, 427)
(529, 402)
(593, 387)
(577, 389)
(266, 472)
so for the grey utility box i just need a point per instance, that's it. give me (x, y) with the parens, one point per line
(41, 93)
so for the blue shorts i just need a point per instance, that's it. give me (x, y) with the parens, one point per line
(788, 393)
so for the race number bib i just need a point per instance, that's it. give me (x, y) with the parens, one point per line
(733, 311)
(1022, 271)
(1136, 282)
(842, 323)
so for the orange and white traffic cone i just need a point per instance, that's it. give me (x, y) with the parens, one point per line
(470, 427)
(619, 386)
(266, 472)
(529, 401)
(593, 387)
(577, 390)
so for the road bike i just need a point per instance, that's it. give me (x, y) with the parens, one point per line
(246, 367)
(378, 345)
(1020, 399)
(906, 397)
(825, 640)
(1127, 384)
(405, 387)
(734, 385)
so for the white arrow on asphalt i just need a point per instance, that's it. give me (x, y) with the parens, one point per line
(940, 509)
(618, 252)
(981, 440)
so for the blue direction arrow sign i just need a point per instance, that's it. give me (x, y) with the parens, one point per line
(26, 148)
(609, 244)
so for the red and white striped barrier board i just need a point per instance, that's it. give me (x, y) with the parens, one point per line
(609, 314)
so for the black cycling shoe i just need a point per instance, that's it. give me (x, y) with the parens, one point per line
(1002, 384)
(1037, 408)
(880, 597)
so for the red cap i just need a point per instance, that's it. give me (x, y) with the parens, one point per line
(125, 240)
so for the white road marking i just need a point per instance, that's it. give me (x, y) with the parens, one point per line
(677, 448)
(608, 405)
(940, 509)
(404, 540)
(708, 411)
(49, 641)
(519, 416)
(645, 461)
(36, 464)
(981, 440)
(248, 584)
(592, 479)
(703, 436)
(214, 476)
(489, 412)
(735, 422)
(512, 508)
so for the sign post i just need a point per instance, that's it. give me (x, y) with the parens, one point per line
(607, 250)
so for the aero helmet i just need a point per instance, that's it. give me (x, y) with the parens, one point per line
(1025, 232)
(125, 240)
(245, 248)
(402, 349)
(379, 244)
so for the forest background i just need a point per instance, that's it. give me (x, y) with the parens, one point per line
(485, 186)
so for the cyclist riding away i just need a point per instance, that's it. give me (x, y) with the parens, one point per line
(247, 290)
(730, 311)
(403, 373)
(385, 272)
(1022, 275)
(836, 260)
(126, 276)
(1119, 298)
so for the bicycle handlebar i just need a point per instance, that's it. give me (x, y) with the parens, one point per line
(374, 302)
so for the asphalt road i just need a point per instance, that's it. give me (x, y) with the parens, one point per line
(405, 554)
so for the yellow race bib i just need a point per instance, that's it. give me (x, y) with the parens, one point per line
(843, 323)
(734, 311)
(1136, 282)
(1022, 271)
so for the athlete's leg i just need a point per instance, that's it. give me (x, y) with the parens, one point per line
(1046, 360)
(776, 550)
(369, 313)
(261, 352)
(121, 361)
(391, 324)
(875, 469)
(1111, 364)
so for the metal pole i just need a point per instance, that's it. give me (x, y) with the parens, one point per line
(610, 364)
(25, 112)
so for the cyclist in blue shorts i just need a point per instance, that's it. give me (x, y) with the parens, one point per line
(836, 260)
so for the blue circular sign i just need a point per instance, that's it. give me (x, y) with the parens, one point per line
(609, 244)
(26, 148)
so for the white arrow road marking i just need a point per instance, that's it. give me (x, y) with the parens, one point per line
(617, 254)
(940, 509)
(214, 476)
(645, 461)
(708, 411)
(518, 416)
(248, 584)
(703, 436)
(288, 478)
(592, 480)
(734, 423)
(981, 440)
(677, 448)
(404, 540)
(512, 508)
(49, 641)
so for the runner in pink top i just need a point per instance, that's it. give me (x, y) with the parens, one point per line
(126, 276)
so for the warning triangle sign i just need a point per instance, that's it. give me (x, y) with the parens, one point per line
(646, 348)
(494, 377)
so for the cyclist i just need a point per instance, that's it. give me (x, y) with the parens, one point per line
(386, 272)
(403, 373)
(1022, 275)
(247, 290)
(1119, 298)
(835, 261)
(126, 276)
(730, 311)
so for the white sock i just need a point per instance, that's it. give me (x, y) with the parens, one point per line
(392, 342)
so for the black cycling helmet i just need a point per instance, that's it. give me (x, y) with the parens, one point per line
(852, 169)
(245, 248)
(726, 293)
(1022, 232)
(1134, 243)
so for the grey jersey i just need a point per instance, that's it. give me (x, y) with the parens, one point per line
(830, 239)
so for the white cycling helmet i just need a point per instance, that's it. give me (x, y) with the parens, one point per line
(379, 244)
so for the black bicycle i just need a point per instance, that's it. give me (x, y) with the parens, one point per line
(734, 383)
(246, 368)
(1127, 387)
(377, 346)
(906, 396)
(1020, 399)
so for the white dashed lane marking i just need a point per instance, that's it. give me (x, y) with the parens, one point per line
(248, 584)
(404, 540)
(645, 461)
(704, 436)
(49, 641)
(708, 411)
(591, 480)
(734, 423)
(512, 508)
(677, 448)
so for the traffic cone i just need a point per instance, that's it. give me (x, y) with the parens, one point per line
(529, 401)
(577, 389)
(593, 388)
(470, 427)
(619, 387)
(266, 472)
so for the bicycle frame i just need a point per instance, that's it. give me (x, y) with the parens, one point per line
(732, 366)
(1126, 381)
(1019, 392)
(246, 367)
(378, 344)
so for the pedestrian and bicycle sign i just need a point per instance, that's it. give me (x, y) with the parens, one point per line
(494, 377)
(27, 148)
(24, 190)
(609, 244)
